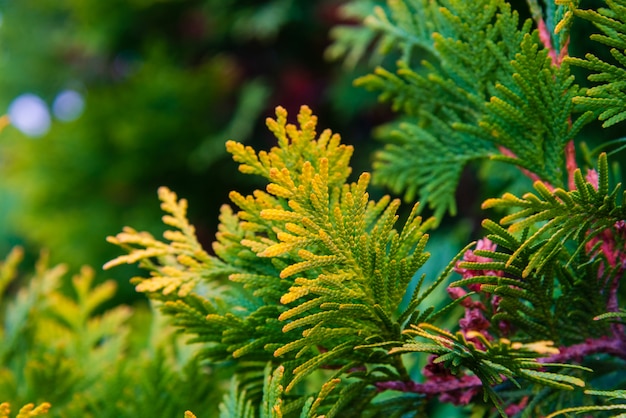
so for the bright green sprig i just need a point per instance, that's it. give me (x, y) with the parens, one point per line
(607, 99)
(613, 395)
(470, 48)
(563, 215)
(530, 115)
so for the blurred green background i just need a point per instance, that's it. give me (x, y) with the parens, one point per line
(110, 100)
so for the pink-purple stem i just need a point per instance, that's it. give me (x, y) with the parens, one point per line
(431, 388)
(609, 345)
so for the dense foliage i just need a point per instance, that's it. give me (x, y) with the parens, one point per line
(316, 299)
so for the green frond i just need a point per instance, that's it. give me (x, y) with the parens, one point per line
(347, 244)
(611, 395)
(563, 216)
(549, 256)
(530, 114)
(235, 403)
(490, 364)
(447, 98)
(607, 99)
(419, 162)
(315, 268)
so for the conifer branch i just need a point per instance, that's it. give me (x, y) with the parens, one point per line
(179, 264)
(478, 96)
(607, 99)
(308, 274)
(321, 267)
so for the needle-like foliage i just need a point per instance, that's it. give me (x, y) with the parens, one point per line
(608, 97)
(313, 301)
(465, 49)
(317, 273)
(313, 289)
(318, 270)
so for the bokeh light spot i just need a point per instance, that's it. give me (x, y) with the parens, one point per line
(29, 113)
(68, 105)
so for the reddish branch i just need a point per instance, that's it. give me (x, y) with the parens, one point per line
(459, 390)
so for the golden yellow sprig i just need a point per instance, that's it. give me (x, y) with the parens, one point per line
(27, 411)
(176, 265)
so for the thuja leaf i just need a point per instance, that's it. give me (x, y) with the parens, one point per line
(235, 403)
(485, 83)
(491, 361)
(562, 216)
(607, 99)
(316, 269)
(530, 114)
(611, 395)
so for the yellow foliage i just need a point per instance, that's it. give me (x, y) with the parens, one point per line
(175, 264)
(27, 411)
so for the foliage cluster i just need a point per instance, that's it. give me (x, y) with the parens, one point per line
(313, 296)
(62, 348)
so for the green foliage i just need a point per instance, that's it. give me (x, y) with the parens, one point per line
(579, 214)
(608, 98)
(531, 115)
(316, 300)
(64, 348)
(482, 87)
(492, 363)
(317, 274)
(464, 54)
(320, 268)
(350, 265)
